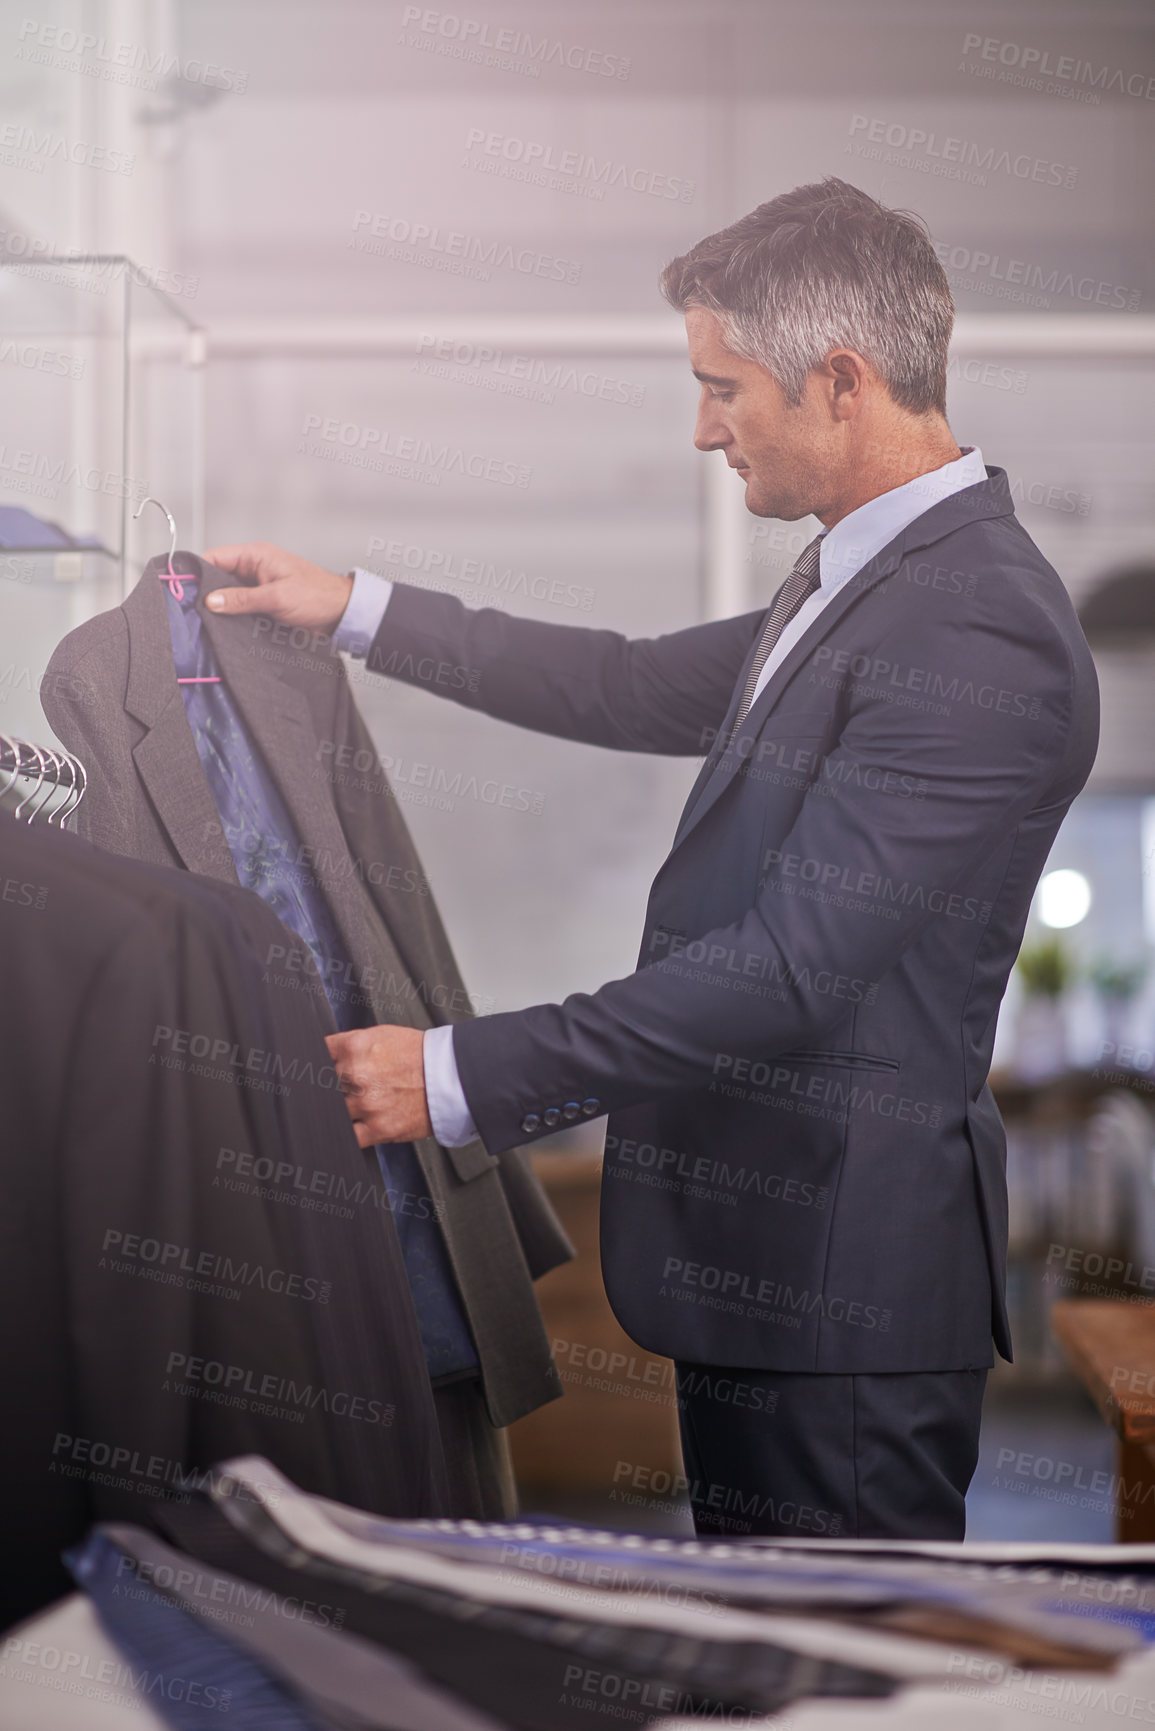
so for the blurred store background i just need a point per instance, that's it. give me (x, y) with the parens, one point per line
(391, 301)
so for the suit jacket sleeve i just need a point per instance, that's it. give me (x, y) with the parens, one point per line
(661, 694)
(825, 907)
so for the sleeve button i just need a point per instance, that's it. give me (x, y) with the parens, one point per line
(570, 1111)
(591, 1107)
(553, 1117)
(530, 1123)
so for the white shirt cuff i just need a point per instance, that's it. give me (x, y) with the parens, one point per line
(361, 620)
(448, 1111)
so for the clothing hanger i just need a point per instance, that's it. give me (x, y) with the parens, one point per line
(39, 756)
(66, 772)
(174, 580)
(52, 783)
(171, 577)
(74, 788)
(79, 788)
(15, 750)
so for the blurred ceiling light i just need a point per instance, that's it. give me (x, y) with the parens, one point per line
(1064, 899)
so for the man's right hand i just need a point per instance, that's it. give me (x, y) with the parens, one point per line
(282, 584)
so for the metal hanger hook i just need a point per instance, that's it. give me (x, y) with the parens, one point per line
(76, 790)
(52, 784)
(43, 767)
(171, 524)
(79, 789)
(14, 747)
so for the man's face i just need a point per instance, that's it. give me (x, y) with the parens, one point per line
(783, 454)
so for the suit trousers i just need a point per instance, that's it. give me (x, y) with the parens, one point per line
(799, 1455)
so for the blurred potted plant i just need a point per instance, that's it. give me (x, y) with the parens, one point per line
(1117, 984)
(1045, 970)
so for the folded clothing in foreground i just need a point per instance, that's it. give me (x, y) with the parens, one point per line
(304, 1614)
(1029, 1608)
(520, 1617)
(503, 1667)
(523, 1649)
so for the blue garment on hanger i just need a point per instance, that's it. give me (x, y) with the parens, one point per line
(266, 851)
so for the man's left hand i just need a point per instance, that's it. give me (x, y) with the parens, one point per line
(382, 1077)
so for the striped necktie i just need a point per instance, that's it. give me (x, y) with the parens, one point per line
(801, 583)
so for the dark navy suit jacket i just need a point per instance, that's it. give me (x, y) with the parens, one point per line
(805, 1168)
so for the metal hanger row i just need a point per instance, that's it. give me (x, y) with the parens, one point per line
(54, 769)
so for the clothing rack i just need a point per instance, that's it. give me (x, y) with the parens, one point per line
(50, 769)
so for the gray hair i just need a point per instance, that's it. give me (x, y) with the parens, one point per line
(823, 267)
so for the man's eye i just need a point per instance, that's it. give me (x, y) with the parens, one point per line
(722, 396)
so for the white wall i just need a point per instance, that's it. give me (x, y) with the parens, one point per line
(251, 197)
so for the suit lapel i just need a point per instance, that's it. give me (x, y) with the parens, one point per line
(985, 499)
(728, 764)
(718, 749)
(280, 725)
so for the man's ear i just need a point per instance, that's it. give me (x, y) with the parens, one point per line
(846, 374)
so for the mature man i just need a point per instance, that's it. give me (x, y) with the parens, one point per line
(804, 1200)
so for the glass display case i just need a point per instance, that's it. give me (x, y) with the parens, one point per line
(102, 406)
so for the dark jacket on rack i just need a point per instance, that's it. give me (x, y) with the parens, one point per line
(111, 697)
(160, 1305)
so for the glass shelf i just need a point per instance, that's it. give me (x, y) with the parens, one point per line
(101, 405)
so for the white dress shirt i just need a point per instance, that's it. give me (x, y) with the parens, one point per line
(845, 549)
(856, 538)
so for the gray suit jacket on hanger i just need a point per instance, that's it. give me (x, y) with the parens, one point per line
(110, 694)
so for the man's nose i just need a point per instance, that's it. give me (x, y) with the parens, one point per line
(709, 432)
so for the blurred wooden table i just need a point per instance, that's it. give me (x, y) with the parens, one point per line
(1110, 1344)
(616, 1428)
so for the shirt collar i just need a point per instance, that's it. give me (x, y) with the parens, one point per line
(857, 537)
